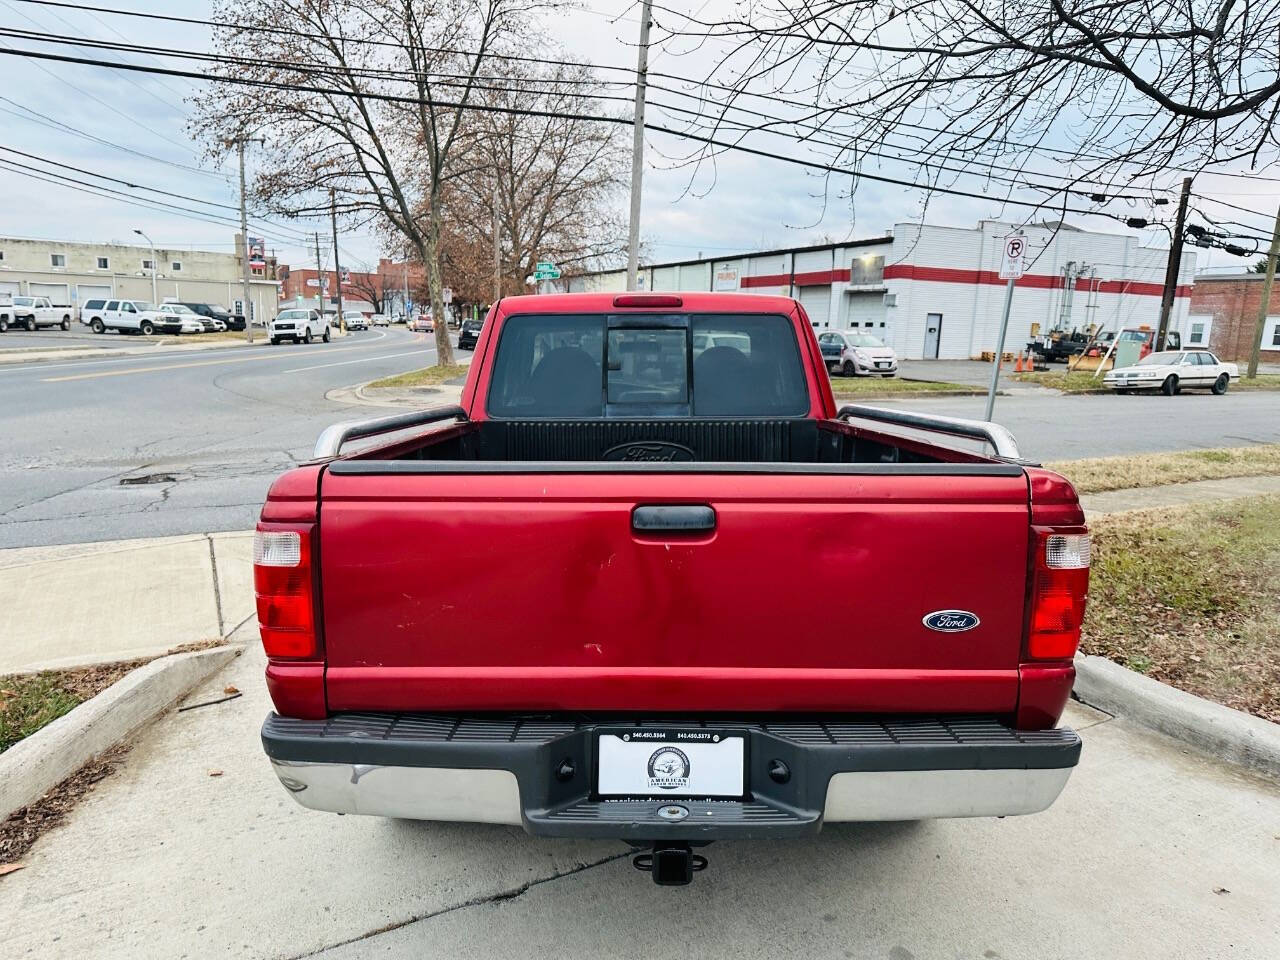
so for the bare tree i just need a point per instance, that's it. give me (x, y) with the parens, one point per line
(1113, 91)
(371, 98)
(373, 287)
(554, 178)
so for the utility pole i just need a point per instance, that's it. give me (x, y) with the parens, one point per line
(497, 247)
(244, 249)
(319, 278)
(1266, 298)
(637, 145)
(1175, 264)
(337, 265)
(404, 304)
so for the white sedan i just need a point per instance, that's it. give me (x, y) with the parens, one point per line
(1171, 371)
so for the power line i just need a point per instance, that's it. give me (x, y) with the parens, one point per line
(47, 121)
(490, 108)
(630, 71)
(770, 129)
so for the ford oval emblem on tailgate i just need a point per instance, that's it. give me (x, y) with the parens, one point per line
(656, 451)
(951, 621)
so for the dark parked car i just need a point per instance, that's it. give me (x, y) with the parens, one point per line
(470, 334)
(234, 321)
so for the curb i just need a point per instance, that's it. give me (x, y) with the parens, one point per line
(32, 767)
(1227, 734)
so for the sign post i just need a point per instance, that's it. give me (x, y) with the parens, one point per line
(1011, 261)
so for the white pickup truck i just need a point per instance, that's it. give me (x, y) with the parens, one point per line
(33, 312)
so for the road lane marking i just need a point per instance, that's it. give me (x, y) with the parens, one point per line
(343, 363)
(258, 346)
(179, 366)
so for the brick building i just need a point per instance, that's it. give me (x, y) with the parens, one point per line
(360, 289)
(1224, 315)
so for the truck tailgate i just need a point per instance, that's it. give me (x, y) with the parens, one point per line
(532, 591)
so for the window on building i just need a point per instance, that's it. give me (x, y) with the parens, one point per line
(1, 255)
(1275, 335)
(176, 266)
(148, 264)
(1197, 333)
(57, 259)
(104, 263)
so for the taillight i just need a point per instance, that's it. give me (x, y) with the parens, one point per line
(647, 300)
(1060, 587)
(283, 584)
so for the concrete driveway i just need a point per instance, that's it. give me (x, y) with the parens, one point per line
(1151, 852)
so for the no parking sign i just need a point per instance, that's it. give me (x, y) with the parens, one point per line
(1015, 249)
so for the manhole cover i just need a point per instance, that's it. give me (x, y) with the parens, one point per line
(148, 478)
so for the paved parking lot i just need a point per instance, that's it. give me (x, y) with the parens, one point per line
(1150, 852)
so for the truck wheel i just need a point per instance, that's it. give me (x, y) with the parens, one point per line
(30, 324)
(306, 336)
(849, 370)
(326, 338)
(1220, 385)
(4, 324)
(66, 323)
(275, 341)
(1170, 386)
(146, 328)
(97, 326)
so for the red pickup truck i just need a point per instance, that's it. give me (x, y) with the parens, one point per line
(647, 582)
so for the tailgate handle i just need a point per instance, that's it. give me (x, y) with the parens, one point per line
(673, 519)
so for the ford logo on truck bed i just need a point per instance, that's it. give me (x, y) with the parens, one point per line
(951, 621)
(655, 451)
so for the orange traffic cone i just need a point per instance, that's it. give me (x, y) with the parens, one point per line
(1018, 366)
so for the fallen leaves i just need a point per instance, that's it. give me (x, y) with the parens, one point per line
(230, 689)
(215, 773)
(6, 868)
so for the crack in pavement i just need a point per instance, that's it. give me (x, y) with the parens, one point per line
(502, 896)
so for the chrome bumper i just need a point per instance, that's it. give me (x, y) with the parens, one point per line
(539, 772)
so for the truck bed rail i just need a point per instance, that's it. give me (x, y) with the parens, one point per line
(1000, 439)
(329, 444)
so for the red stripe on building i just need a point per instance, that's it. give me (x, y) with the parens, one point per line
(814, 278)
(1043, 281)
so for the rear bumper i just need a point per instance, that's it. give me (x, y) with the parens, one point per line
(538, 773)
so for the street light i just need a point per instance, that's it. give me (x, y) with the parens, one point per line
(154, 265)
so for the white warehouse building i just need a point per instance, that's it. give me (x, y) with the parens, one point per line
(935, 292)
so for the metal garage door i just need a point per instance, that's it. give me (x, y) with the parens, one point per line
(91, 291)
(56, 292)
(10, 288)
(817, 304)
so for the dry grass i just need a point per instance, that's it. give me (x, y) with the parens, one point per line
(853, 387)
(1155, 469)
(1186, 595)
(426, 377)
(1263, 381)
(1081, 382)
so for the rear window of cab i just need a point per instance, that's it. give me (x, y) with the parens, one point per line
(592, 366)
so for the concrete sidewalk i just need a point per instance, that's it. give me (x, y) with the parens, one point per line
(1178, 494)
(1151, 852)
(97, 602)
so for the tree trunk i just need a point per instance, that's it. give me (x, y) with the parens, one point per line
(444, 346)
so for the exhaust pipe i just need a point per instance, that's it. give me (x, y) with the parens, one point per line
(670, 864)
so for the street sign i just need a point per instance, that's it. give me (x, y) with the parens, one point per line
(1015, 250)
(544, 265)
(446, 294)
(546, 270)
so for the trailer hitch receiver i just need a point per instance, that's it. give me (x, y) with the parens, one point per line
(670, 864)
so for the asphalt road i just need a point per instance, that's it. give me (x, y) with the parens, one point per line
(210, 430)
(79, 434)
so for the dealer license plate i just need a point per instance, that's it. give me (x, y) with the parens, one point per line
(642, 762)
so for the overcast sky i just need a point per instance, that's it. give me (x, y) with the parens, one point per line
(55, 111)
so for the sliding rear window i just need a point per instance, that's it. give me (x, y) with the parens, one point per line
(590, 366)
